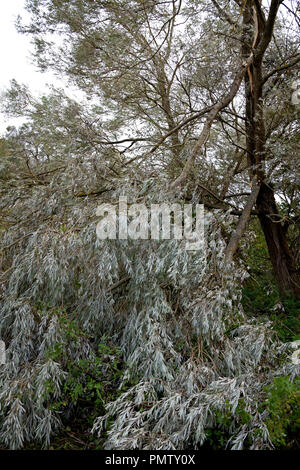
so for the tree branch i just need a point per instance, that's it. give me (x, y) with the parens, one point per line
(241, 226)
(268, 31)
(210, 118)
(223, 13)
(281, 68)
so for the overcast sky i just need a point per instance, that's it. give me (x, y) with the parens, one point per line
(15, 57)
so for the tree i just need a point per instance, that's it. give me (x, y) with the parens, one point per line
(141, 61)
(285, 269)
(153, 84)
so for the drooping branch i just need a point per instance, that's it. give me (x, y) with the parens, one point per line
(169, 133)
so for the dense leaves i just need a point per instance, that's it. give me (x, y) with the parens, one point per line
(141, 343)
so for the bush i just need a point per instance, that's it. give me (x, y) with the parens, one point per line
(283, 407)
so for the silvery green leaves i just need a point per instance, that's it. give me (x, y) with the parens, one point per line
(176, 315)
(192, 360)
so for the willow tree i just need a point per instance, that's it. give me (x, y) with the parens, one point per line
(155, 70)
(162, 118)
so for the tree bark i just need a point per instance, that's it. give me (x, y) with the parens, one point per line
(282, 261)
(242, 224)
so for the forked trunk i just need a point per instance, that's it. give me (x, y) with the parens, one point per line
(287, 277)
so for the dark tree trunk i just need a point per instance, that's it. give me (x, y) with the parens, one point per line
(287, 277)
(282, 261)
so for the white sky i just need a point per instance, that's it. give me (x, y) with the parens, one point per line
(15, 57)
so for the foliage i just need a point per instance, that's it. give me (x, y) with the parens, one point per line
(283, 407)
(181, 364)
(89, 382)
(261, 296)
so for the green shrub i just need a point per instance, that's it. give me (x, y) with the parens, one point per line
(261, 294)
(283, 407)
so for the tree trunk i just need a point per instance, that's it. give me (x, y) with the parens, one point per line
(283, 264)
(282, 261)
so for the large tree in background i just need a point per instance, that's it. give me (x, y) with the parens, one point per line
(153, 68)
